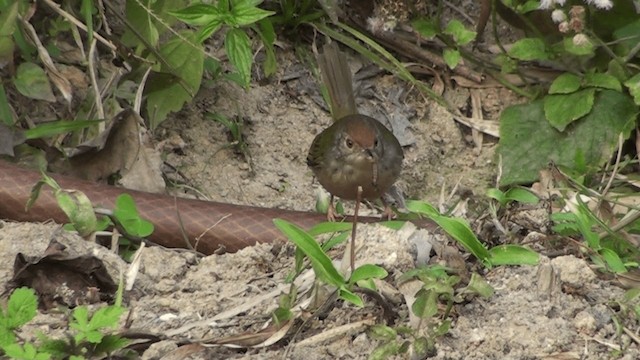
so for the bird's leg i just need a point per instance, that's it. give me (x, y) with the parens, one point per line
(388, 211)
(331, 211)
(353, 229)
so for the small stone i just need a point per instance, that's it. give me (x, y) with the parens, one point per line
(573, 271)
(585, 323)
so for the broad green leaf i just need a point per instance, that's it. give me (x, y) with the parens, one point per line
(198, 14)
(562, 109)
(529, 143)
(451, 57)
(614, 263)
(143, 22)
(565, 84)
(167, 95)
(454, 227)
(8, 19)
(382, 332)
(585, 49)
(78, 208)
(368, 271)
(633, 85)
(425, 305)
(321, 263)
(106, 317)
(238, 47)
(245, 15)
(521, 195)
(21, 308)
(529, 49)
(208, 30)
(32, 82)
(603, 81)
(513, 255)
(127, 214)
(497, 195)
(425, 27)
(626, 37)
(460, 34)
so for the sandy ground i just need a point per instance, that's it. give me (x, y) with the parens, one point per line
(558, 309)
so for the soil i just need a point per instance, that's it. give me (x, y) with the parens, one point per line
(559, 309)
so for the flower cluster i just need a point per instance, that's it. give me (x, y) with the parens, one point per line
(600, 4)
(575, 21)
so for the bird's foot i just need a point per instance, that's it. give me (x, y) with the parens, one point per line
(387, 213)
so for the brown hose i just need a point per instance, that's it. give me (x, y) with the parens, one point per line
(220, 226)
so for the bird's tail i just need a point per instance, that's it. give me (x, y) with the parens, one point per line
(336, 76)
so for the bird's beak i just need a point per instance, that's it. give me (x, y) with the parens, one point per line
(371, 155)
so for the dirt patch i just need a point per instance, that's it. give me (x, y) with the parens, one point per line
(558, 309)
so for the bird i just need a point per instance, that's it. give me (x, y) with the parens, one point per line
(357, 157)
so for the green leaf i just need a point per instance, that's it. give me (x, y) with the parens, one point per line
(603, 81)
(238, 48)
(586, 49)
(167, 95)
(349, 296)
(321, 263)
(6, 115)
(8, 20)
(513, 255)
(454, 227)
(451, 57)
(106, 317)
(460, 34)
(368, 271)
(198, 14)
(633, 85)
(563, 109)
(425, 27)
(32, 82)
(425, 305)
(565, 84)
(497, 195)
(529, 143)
(521, 195)
(77, 206)
(382, 332)
(21, 308)
(267, 34)
(58, 127)
(142, 22)
(111, 343)
(529, 49)
(478, 285)
(245, 15)
(614, 263)
(127, 214)
(329, 227)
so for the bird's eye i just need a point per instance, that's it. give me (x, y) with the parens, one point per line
(349, 143)
(375, 143)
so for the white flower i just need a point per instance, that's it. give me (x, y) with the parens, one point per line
(560, 2)
(558, 16)
(580, 40)
(546, 4)
(563, 27)
(603, 4)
